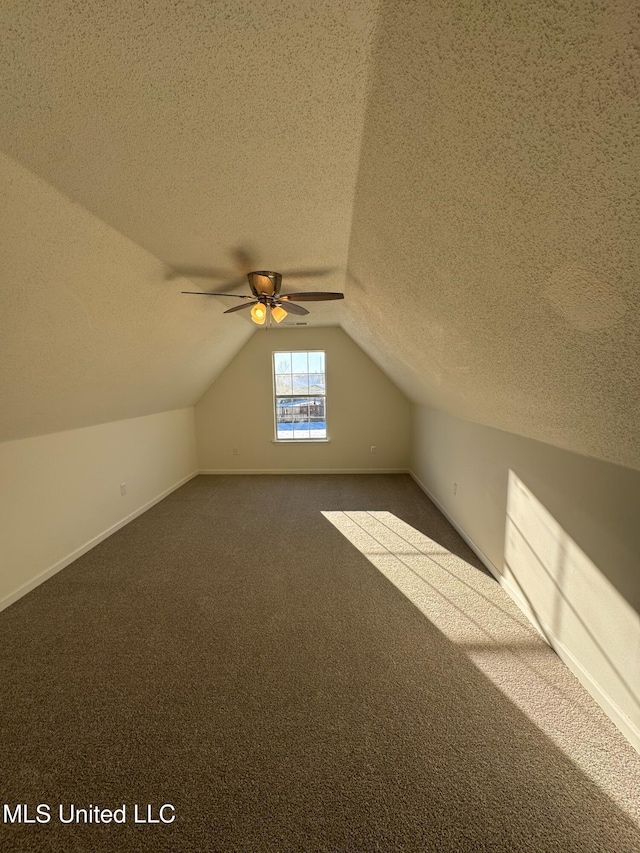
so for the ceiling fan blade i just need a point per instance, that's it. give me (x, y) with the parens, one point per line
(292, 308)
(311, 296)
(215, 293)
(240, 307)
(308, 273)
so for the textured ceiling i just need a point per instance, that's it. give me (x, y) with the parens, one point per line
(195, 127)
(194, 130)
(476, 165)
(497, 208)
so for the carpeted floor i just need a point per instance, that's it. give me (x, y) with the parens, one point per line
(233, 654)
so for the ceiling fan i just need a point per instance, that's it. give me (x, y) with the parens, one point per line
(266, 299)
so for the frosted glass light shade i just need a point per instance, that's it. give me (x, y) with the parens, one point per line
(278, 313)
(259, 314)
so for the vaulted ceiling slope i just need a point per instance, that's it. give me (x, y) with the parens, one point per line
(193, 130)
(474, 165)
(90, 330)
(495, 247)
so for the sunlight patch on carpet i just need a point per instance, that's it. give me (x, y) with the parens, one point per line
(475, 613)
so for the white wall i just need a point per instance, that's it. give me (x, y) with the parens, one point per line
(561, 533)
(60, 493)
(364, 408)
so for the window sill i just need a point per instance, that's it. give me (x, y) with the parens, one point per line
(300, 440)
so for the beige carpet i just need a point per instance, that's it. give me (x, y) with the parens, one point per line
(292, 680)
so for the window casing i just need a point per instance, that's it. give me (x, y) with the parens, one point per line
(300, 403)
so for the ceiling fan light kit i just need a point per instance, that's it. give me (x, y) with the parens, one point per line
(278, 313)
(266, 301)
(258, 314)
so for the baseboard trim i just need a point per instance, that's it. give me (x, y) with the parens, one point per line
(630, 731)
(476, 550)
(304, 471)
(608, 705)
(91, 543)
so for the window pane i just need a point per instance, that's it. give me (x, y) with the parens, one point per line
(283, 384)
(301, 430)
(300, 408)
(299, 362)
(282, 362)
(284, 418)
(316, 362)
(316, 407)
(317, 419)
(300, 383)
(285, 431)
(283, 407)
(318, 429)
(316, 383)
(301, 411)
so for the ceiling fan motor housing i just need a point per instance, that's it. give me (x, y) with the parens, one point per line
(264, 283)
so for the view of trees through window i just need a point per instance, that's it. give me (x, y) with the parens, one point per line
(300, 401)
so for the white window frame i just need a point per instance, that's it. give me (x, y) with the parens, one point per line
(275, 396)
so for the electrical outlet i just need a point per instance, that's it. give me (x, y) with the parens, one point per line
(373, 448)
(123, 488)
(455, 488)
(235, 451)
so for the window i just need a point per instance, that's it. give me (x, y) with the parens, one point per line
(300, 396)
